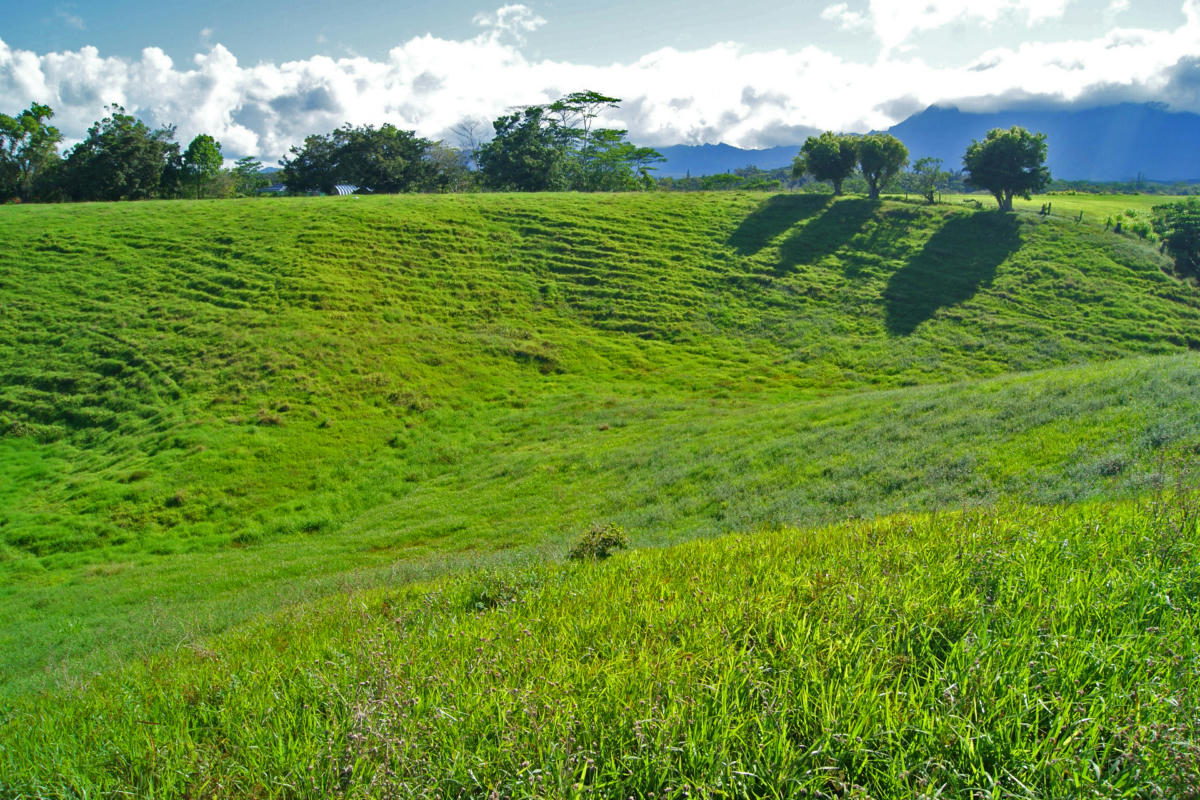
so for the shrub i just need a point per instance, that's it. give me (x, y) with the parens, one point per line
(599, 542)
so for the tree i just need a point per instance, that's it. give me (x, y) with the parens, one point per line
(1179, 226)
(248, 176)
(202, 160)
(928, 177)
(557, 146)
(313, 167)
(881, 156)
(122, 159)
(828, 157)
(386, 159)
(27, 151)
(1008, 163)
(526, 154)
(450, 168)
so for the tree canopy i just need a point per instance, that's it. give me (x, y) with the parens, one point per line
(927, 177)
(828, 157)
(1008, 163)
(557, 146)
(386, 160)
(123, 159)
(27, 151)
(881, 156)
(1179, 226)
(202, 160)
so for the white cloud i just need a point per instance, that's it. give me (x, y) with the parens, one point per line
(70, 19)
(1118, 6)
(719, 93)
(895, 21)
(841, 15)
(514, 20)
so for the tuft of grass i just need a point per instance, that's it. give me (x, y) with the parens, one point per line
(599, 542)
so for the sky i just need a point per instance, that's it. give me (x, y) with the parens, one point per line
(260, 75)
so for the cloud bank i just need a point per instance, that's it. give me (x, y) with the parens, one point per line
(719, 93)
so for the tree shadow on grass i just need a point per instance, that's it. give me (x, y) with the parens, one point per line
(773, 217)
(825, 234)
(956, 261)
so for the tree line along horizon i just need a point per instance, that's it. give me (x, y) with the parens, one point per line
(545, 147)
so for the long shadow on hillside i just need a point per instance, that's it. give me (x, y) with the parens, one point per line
(956, 261)
(825, 234)
(772, 218)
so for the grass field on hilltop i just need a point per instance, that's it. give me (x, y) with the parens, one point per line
(1096, 208)
(215, 410)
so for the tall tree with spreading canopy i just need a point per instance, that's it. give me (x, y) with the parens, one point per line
(27, 151)
(1008, 163)
(248, 176)
(313, 166)
(122, 158)
(558, 146)
(202, 161)
(828, 157)
(526, 154)
(386, 159)
(881, 156)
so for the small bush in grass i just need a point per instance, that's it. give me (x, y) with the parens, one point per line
(599, 542)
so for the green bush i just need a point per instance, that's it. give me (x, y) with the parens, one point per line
(599, 542)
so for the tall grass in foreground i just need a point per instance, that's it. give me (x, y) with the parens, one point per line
(1016, 652)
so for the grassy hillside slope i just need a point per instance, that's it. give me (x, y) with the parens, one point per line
(211, 410)
(1020, 652)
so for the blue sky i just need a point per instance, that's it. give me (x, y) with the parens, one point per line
(261, 74)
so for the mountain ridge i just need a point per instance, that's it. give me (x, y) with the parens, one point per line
(1120, 142)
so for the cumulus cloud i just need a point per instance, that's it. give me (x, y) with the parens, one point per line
(719, 93)
(896, 21)
(841, 15)
(514, 20)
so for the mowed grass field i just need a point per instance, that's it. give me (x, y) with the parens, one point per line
(217, 412)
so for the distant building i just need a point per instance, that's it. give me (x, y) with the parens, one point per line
(345, 188)
(275, 188)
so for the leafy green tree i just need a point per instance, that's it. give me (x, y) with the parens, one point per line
(881, 156)
(557, 146)
(1179, 226)
(122, 158)
(202, 160)
(248, 177)
(928, 178)
(450, 168)
(385, 160)
(828, 157)
(527, 154)
(312, 167)
(27, 151)
(1008, 163)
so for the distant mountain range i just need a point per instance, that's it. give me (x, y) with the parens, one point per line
(711, 159)
(1110, 143)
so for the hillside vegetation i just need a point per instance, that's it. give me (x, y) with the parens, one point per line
(1018, 652)
(214, 410)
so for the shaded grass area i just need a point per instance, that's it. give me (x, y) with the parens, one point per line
(1017, 651)
(210, 410)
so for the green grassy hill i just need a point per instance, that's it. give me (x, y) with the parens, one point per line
(213, 411)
